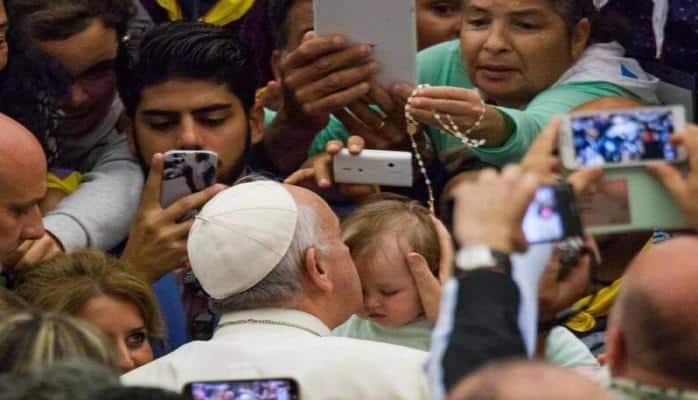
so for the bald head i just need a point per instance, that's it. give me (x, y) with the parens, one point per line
(22, 185)
(653, 329)
(523, 380)
(18, 147)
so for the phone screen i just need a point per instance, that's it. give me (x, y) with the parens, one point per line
(186, 172)
(261, 389)
(624, 137)
(543, 221)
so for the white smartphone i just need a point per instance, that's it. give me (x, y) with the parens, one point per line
(621, 138)
(186, 172)
(389, 25)
(374, 167)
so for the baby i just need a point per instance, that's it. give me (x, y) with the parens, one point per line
(379, 235)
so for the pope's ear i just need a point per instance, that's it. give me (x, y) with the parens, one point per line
(316, 271)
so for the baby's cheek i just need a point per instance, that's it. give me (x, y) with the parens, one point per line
(410, 304)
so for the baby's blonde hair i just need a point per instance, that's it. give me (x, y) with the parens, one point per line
(391, 214)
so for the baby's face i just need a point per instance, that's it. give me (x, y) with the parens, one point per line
(390, 294)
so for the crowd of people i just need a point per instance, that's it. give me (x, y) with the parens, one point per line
(114, 288)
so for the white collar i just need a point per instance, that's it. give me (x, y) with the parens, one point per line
(284, 318)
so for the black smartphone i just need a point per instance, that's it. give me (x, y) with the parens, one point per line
(253, 389)
(186, 172)
(552, 216)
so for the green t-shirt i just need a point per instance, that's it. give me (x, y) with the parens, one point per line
(442, 65)
(561, 348)
(416, 335)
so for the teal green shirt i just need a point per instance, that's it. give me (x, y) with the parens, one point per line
(442, 65)
(416, 335)
(561, 348)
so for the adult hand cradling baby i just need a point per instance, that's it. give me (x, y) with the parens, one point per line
(428, 283)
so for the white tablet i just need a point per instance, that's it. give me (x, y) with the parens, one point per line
(389, 25)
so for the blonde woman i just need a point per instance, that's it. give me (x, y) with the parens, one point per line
(31, 341)
(95, 287)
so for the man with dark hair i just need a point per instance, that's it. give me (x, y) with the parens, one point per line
(83, 38)
(190, 86)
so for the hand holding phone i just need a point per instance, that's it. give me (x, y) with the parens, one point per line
(157, 238)
(621, 138)
(552, 216)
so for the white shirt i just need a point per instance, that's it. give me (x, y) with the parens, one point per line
(299, 347)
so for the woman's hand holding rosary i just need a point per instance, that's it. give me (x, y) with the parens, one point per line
(459, 112)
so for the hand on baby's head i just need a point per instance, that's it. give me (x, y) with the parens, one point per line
(382, 236)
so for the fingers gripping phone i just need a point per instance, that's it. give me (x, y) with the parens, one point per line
(374, 167)
(621, 138)
(186, 172)
(258, 389)
(552, 215)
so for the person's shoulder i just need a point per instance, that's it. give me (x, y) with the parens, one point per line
(567, 96)
(590, 86)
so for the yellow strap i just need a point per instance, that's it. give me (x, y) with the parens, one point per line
(67, 185)
(227, 11)
(222, 13)
(174, 12)
(586, 321)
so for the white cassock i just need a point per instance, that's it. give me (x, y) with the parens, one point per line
(282, 343)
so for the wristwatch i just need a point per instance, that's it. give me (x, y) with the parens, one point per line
(480, 256)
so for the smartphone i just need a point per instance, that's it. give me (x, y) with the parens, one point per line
(552, 215)
(374, 167)
(388, 25)
(267, 389)
(186, 172)
(621, 138)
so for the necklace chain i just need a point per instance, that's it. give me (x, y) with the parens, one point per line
(413, 127)
(268, 322)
